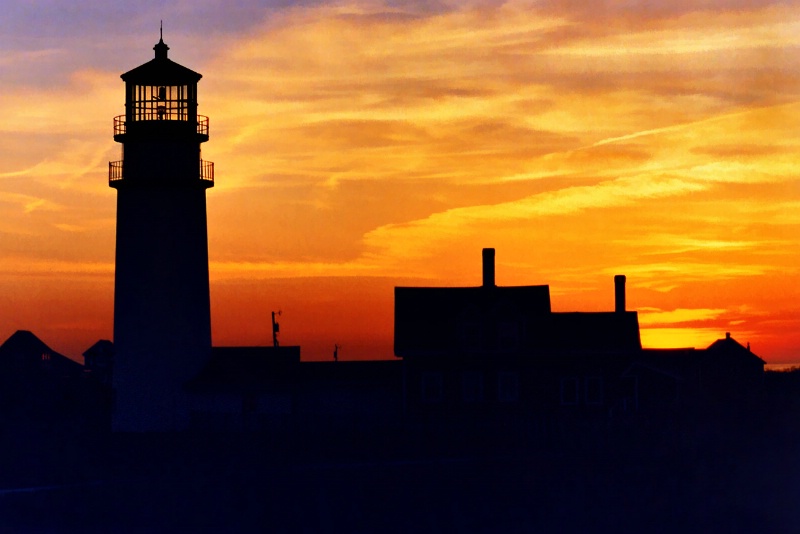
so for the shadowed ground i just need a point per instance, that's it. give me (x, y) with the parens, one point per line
(720, 477)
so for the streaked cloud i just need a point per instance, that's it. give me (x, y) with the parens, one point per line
(26, 267)
(654, 316)
(673, 338)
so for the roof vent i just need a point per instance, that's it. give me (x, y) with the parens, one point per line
(488, 267)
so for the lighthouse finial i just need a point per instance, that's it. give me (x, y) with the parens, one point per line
(161, 47)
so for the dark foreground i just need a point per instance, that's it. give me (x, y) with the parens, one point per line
(715, 476)
(723, 469)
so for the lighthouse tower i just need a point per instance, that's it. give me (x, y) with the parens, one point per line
(162, 318)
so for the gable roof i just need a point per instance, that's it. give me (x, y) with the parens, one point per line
(101, 347)
(23, 342)
(729, 347)
(23, 350)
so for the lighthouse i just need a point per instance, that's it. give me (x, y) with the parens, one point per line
(162, 317)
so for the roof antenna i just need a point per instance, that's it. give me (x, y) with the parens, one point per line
(161, 47)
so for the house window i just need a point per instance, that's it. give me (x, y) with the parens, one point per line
(507, 386)
(630, 394)
(432, 387)
(507, 335)
(45, 356)
(594, 390)
(472, 386)
(569, 390)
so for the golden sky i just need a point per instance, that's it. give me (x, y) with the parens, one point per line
(364, 145)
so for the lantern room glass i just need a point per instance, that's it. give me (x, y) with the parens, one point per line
(162, 102)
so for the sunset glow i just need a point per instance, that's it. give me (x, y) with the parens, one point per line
(363, 145)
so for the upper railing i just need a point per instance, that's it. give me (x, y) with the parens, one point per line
(120, 126)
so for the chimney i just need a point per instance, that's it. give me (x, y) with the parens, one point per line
(619, 293)
(488, 267)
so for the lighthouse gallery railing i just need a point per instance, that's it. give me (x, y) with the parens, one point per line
(116, 171)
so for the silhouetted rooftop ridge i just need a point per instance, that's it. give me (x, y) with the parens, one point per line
(99, 346)
(23, 345)
(24, 340)
(728, 344)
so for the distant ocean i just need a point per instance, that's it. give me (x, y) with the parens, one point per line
(780, 366)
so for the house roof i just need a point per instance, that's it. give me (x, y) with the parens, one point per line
(729, 347)
(23, 341)
(23, 350)
(101, 347)
(592, 332)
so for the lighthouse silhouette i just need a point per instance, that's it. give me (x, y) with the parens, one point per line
(162, 317)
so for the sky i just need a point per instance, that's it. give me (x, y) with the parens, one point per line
(360, 146)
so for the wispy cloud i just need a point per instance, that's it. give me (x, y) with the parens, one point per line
(18, 267)
(654, 317)
(28, 203)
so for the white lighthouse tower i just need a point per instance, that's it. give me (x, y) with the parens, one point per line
(162, 318)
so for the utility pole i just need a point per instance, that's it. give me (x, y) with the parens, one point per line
(276, 328)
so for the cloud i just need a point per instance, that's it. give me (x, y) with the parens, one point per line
(419, 237)
(660, 244)
(666, 276)
(25, 58)
(26, 267)
(739, 151)
(28, 203)
(654, 317)
(681, 337)
(251, 270)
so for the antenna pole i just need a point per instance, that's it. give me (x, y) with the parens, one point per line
(275, 329)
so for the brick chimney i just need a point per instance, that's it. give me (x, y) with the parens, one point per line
(619, 293)
(488, 267)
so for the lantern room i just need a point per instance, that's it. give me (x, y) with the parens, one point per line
(161, 97)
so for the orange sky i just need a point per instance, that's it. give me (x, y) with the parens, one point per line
(366, 145)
